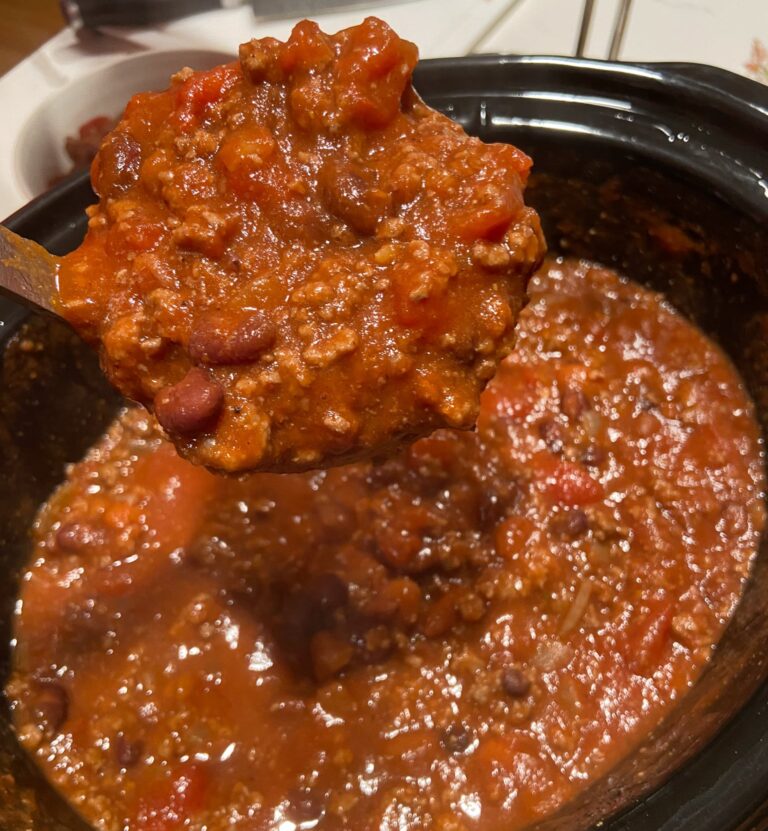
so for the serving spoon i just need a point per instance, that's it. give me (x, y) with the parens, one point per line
(28, 272)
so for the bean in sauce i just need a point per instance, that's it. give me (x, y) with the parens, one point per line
(295, 261)
(463, 636)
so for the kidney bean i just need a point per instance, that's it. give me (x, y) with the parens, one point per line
(350, 197)
(552, 435)
(217, 339)
(593, 455)
(570, 524)
(51, 704)
(190, 406)
(128, 752)
(121, 156)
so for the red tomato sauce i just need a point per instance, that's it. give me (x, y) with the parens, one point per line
(461, 637)
(295, 262)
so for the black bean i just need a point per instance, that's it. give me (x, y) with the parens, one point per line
(218, 339)
(50, 705)
(552, 435)
(593, 455)
(456, 739)
(490, 509)
(308, 608)
(514, 683)
(190, 406)
(295, 627)
(573, 402)
(303, 805)
(128, 752)
(327, 592)
(569, 524)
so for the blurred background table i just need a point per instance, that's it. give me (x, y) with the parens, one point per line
(27, 24)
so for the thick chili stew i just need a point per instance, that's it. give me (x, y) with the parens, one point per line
(295, 261)
(461, 637)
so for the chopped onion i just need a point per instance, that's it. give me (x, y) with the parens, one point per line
(592, 422)
(551, 655)
(578, 607)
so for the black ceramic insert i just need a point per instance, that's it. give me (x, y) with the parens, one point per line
(617, 147)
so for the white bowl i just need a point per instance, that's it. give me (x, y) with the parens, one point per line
(40, 155)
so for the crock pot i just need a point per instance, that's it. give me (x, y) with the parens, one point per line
(620, 151)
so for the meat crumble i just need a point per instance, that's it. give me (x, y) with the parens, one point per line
(295, 262)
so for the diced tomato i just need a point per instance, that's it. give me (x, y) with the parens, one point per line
(647, 636)
(436, 452)
(565, 483)
(330, 653)
(511, 156)
(440, 615)
(671, 238)
(247, 147)
(374, 69)
(511, 396)
(202, 90)
(133, 237)
(172, 801)
(418, 314)
(431, 314)
(178, 492)
(488, 221)
(399, 542)
(248, 151)
(308, 47)
(515, 763)
(77, 283)
(512, 536)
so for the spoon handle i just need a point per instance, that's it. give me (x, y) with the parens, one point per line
(27, 272)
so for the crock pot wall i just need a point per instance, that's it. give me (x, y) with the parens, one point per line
(53, 405)
(607, 176)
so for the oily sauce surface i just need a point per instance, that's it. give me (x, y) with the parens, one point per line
(462, 637)
(295, 262)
